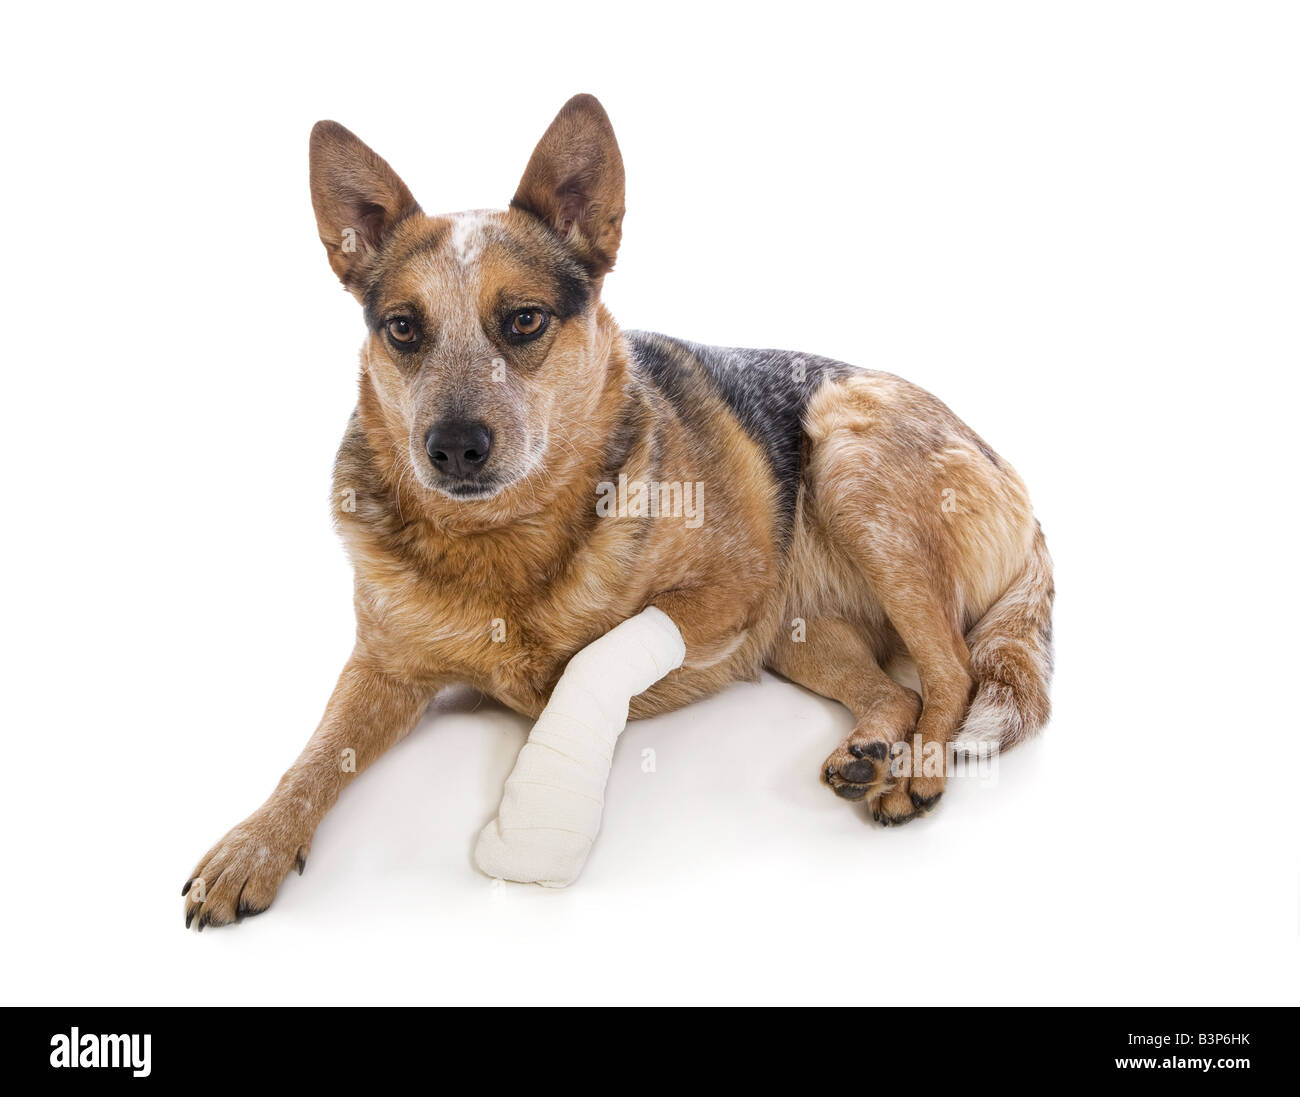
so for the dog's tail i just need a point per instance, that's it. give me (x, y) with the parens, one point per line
(1011, 659)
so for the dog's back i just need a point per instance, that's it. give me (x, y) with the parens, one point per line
(766, 390)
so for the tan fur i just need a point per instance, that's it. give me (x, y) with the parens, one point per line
(908, 534)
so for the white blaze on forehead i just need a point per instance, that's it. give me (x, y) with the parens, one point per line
(468, 235)
(471, 232)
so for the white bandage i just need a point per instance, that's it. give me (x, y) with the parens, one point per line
(554, 797)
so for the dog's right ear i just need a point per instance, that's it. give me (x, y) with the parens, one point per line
(357, 197)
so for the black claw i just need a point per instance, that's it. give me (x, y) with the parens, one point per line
(924, 803)
(862, 773)
(189, 916)
(830, 772)
(300, 861)
(186, 889)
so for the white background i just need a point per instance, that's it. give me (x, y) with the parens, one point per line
(1077, 224)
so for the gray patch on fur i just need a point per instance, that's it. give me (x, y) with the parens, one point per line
(767, 391)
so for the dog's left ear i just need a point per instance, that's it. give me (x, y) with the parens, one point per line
(574, 183)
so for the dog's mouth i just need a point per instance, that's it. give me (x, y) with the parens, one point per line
(466, 491)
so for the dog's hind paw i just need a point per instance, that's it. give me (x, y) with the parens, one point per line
(906, 799)
(862, 769)
(857, 770)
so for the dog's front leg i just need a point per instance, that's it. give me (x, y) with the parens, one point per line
(554, 797)
(369, 711)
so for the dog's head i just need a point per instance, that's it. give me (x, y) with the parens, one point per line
(480, 324)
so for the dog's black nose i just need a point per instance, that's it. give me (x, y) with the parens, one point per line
(458, 449)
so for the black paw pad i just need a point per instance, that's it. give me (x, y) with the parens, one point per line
(862, 773)
(851, 792)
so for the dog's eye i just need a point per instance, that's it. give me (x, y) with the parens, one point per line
(528, 323)
(401, 329)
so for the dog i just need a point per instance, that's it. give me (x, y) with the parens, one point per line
(501, 493)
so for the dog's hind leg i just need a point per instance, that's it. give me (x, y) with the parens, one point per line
(943, 663)
(913, 590)
(832, 659)
(938, 527)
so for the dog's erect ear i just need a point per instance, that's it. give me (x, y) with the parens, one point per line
(574, 183)
(357, 197)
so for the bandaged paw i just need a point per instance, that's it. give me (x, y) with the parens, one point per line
(550, 812)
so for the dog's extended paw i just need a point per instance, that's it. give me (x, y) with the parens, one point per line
(240, 875)
(531, 855)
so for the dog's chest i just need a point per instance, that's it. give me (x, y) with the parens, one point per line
(507, 632)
